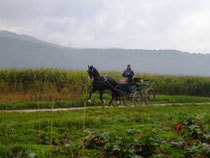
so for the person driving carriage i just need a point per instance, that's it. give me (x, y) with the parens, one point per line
(128, 73)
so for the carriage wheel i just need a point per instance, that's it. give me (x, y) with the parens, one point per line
(149, 96)
(127, 100)
(137, 98)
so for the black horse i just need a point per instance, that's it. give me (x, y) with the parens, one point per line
(101, 83)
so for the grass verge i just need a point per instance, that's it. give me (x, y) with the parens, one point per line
(79, 102)
(170, 131)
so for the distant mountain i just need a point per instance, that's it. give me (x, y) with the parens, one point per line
(22, 51)
(12, 35)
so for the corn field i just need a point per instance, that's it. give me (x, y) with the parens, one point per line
(42, 81)
(45, 81)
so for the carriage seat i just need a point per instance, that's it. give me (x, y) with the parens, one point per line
(124, 81)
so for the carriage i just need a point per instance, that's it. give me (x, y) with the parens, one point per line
(134, 93)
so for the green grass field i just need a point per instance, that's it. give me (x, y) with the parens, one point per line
(108, 132)
(180, 129)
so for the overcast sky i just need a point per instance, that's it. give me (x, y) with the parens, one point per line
(134, 24)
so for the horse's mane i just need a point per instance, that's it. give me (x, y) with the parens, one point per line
(96, 71)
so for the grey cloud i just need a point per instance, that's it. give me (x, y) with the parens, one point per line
(146, 24)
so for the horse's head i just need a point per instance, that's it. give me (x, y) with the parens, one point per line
(92, 72)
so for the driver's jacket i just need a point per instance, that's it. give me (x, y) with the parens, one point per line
(128, 73)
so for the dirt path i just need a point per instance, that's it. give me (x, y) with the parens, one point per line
(91, 107)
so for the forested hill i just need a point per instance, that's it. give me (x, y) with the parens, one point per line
(22, 51)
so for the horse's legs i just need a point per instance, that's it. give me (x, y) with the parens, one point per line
(90, 94)
(118, 100)
(101, 96)
(110, 103)
(113, 96)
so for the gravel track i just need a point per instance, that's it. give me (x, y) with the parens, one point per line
(90, 107)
